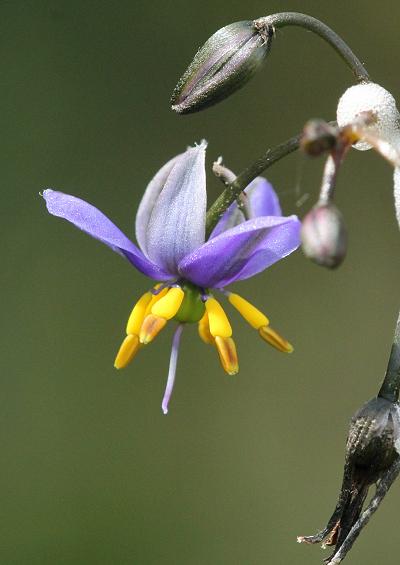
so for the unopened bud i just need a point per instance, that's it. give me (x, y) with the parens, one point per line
(225, 63)
(324, 235)
(318, 138)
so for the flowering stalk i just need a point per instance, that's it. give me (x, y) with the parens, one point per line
(329, 177)
(235, 188)
(283, 19)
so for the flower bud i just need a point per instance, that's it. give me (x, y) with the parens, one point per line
(324, 235)
(373, 100)
(225, 63)
(318, 138)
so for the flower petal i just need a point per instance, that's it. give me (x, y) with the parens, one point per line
(242, 251)
(89, 219)
(177, 222)
(148, 201)
(262, 200)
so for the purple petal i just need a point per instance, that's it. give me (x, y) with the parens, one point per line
(148, 201)
(230, 218)
(89, 219)
(262, 200)
(177, 222)
(242, 252)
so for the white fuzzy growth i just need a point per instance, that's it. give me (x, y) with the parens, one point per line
(373, 98)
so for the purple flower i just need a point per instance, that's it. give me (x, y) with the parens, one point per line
(170, 231)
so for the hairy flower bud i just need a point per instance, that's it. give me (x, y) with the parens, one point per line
(225, 63)
(375, 101)
(324, 235)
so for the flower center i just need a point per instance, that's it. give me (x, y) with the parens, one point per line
(192, 308)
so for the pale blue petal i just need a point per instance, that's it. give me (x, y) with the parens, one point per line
(90, 220)
(148, 201)
(177, 222)
(242, 252)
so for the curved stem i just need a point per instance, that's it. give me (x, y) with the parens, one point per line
(283, 19)
(232, 192)
(391, 383)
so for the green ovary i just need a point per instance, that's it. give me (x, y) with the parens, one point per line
(192, 308)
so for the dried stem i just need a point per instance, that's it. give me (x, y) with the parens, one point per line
(391, 383)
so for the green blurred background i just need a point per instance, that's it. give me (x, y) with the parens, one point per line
(92, 472)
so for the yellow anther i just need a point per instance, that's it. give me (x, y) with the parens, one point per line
(204, 330)
(273, 338)
(169, 304)
(151, 327)
(249, 312)
(227, 354)
(219, 323)
(155, 298)
(129, 347)
(138, 313)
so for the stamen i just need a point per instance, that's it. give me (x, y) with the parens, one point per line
(273, 338)
(169, 304)
(204, 330)
(138, 313)
(172, 368)
(249, 312)
(227, 354)
(155, 298)
(129, 347)
(151, 327)
(218, 321)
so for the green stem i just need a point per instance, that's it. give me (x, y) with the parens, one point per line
(312, 24)
(232, 192)
(391, 383)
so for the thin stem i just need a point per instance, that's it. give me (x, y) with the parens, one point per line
(312, 24)
(329, 176)
(232, 192)
(391, 383)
